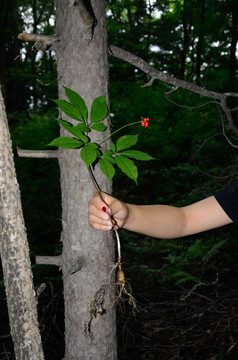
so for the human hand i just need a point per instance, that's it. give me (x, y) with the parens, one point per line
(106, 212)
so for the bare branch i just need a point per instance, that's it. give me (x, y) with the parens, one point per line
(156, 74)
(45, 41)
(220, 98)
(149, 83)
(44, 154)
(191, 107)
(171, 91)
(49, 260)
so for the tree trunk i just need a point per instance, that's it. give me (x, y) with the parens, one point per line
(88, 255)
(200, 41)
(21, 299)
(186, 39)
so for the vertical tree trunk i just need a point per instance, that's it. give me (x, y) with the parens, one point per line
(200, 41)
(21, 299)
(186, 39)
(88, 255)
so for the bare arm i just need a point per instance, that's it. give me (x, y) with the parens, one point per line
(160, 221)
(167, 222)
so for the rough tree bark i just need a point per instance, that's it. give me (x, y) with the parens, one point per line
(21, 299)
(88, 255)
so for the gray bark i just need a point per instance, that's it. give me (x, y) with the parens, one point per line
(88, 255)
(21, 298)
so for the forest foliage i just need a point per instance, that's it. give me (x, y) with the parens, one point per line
(194, 40)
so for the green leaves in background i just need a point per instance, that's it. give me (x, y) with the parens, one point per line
(90, 151)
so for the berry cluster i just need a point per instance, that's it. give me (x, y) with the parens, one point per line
(145, 122)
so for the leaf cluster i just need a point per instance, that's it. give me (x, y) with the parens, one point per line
(92, 152)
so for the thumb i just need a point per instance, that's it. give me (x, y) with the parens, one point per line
(108, 201)
(114, 207)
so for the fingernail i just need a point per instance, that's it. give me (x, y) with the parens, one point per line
(104, 209)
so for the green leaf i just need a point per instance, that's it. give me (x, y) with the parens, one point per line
(89, 154)
(93, 145)
(107, 168)
(69, 109)
(137, 155)
(108, 156)
(113, 146)
(128, 167)
(66, 142)
(98, 127)
(77, 101)
(126, 141)
(73, 130)
(82, 127)
(99, 109)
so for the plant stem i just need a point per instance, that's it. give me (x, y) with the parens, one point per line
(108, 137)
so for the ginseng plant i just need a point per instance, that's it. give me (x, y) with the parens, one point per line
(120, 155)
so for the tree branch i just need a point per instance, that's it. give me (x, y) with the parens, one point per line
(45, 154)
(45, 41)
(49, 260)
(221, 98)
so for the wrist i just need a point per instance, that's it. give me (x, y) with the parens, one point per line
(127, 221)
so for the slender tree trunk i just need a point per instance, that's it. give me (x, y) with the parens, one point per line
(186, 39)
(21, 299)
(88, 255)
(200, 41)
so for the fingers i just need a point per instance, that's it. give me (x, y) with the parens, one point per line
(98, 215)
(106, 212)
(98, 224)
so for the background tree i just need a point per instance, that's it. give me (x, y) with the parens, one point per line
(21, 297)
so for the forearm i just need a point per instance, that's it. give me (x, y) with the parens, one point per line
(160, 221)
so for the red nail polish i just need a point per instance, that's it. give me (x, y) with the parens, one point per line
(104, 208)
